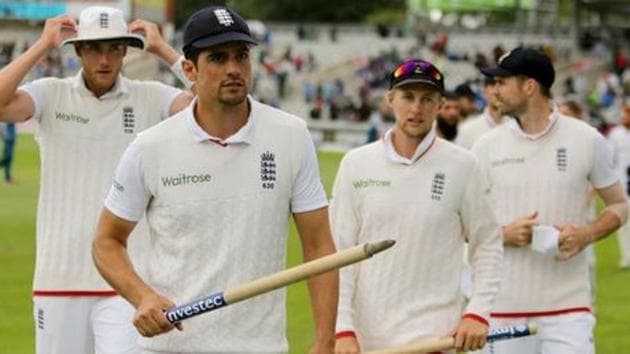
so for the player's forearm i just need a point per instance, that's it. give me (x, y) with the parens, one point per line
(111, 260)
(324, 293)
(167, 53)
(109, 252)
(317, 242)
(605, 224)
(614, 214)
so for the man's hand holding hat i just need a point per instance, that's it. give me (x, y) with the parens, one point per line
(57, 30)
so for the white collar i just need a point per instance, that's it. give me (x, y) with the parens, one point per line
(553, 118)
(423, 147)
(491, 122)
(244, 135)
(120, 87)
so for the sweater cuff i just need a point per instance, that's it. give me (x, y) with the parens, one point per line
(477, 318)
(344, 334)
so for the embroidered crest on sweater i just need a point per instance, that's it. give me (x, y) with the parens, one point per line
(268, 170)
(437, 186)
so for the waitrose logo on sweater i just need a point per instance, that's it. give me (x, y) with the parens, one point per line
(364, 183)
(69, 117)
(184, 179)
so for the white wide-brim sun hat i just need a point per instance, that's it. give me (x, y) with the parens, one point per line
(100, 23)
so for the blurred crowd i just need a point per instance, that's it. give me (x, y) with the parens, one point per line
(597, 86)
(596, 83)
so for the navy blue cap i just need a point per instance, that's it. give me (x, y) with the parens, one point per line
(215, 25)
(529, 62)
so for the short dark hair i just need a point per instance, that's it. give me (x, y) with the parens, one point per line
(463, 90)
(450, 95)
(544, 90)
(192, 54)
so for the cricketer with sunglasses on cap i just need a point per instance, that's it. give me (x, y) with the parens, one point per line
(85, 123)
(428, 194)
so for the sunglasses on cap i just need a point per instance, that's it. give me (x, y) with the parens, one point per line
(417, 71)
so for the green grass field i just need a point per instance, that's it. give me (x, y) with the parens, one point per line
(17, 249)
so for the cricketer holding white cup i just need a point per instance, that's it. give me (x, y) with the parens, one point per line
(540, 166)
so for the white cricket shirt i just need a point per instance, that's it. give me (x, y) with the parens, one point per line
(619, 137)
(218, 213)
(81, 139)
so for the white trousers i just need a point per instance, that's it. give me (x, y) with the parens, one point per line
(84, 325)
(561, 334)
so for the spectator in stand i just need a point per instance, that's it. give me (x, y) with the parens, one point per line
(621, 61)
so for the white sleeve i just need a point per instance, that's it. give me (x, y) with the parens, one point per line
(166, 94)
(485, 244)
(345, 224)
(461, 138)
(603, 173)
(129, 196)
(612, 141)
(308, 192)
(38, 90)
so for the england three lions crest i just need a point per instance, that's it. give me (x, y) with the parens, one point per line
(268, 170)
(437, 186)
(561, 159)
(128, 120)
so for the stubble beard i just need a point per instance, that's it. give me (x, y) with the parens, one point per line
(232, 101)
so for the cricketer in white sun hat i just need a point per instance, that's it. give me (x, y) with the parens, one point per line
(100, 23)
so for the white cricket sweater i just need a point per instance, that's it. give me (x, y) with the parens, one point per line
(218, 217)
(412, 291)
(549, 174)
(81, 139)
(619, 137)
(470, 130)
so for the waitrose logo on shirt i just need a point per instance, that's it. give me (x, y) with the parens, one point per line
(69, 117)
(184, 179)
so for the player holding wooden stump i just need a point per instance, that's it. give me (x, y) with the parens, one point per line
(430, 194)
(218, 183)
